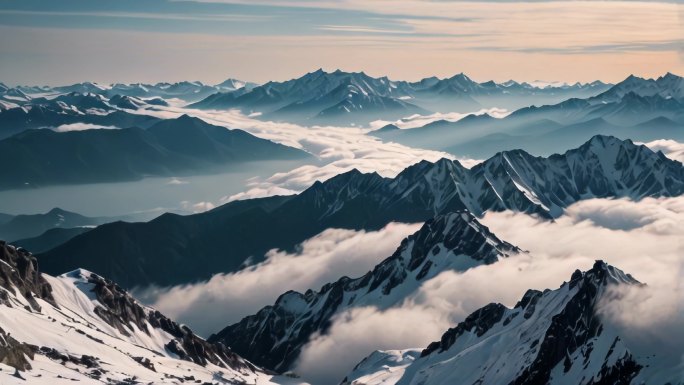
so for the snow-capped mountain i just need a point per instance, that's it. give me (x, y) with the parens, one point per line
(189, 91)
(630, 109)
(275, 335)
(321, 95)
(343, 97)
(604, 167)
(66, 109)
(550, 337)
(134, 103)
(666, 86)
(511, 180)
(82, 327)
(82, 88)
(229, 85)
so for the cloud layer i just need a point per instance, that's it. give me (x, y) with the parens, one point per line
(338, 149)
(672, 149)
(83, 127)
(226, 298)
(415, 121)
(641, 238)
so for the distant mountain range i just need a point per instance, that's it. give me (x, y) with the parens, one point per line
(641, 109)
(23, 108)
(171, 147)
(81, 327)
(355, 98)
(14, 227)
(175, 249)
(185, 90)
(89, 110)
(552, 337)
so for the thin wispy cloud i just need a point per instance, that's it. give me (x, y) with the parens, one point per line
(405, 39)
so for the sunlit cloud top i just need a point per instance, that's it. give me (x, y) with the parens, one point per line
(152, 40)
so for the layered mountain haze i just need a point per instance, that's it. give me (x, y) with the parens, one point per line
(641, 109)
(168, 148)
(15, 227)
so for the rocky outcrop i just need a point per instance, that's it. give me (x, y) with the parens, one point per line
(14, 353)
(119, 309)
(19, 275)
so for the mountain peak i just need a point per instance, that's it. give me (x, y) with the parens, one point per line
(454, 241)
(461, 232)
(602, 274)
(58, 211)
(669, 76)
(554, 336)
(461, 77)
(606, 141)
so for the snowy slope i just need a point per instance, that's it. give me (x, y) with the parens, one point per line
(81, 327)
(275, 335)
(512, 180)
(550, 337)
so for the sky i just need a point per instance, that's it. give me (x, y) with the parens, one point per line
(67, 41)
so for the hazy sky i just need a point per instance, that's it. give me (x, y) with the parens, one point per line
(64, 41)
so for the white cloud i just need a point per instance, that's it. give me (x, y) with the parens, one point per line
(226, 298)
(672, 149)
(196, 207)
(83, 127)
(642, 238)
(177, 181)
(338, 149)
(417, 120)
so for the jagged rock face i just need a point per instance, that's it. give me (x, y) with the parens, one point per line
(19, 272)
(15, 353)
(550, 337)
(82, 327)
(275, 335)
(121, 310)
(19, 275)
(511, 180)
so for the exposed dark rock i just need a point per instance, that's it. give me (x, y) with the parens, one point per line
(13, 353)
(121, 310)
(478, 323)
(19, 272)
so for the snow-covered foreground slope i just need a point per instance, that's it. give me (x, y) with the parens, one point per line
(275, 336)
(551, 337)
(81, 327)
